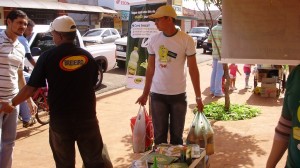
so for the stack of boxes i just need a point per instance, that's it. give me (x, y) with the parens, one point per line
(268, 87)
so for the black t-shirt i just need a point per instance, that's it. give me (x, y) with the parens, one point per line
(71, 74)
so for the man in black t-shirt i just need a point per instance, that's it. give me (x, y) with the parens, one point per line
(71, 73)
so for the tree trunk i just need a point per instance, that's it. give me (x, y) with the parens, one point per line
(226, 90)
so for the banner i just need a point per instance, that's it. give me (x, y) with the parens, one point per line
(261, 32)
(140, 28)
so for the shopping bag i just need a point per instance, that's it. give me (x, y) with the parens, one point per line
(201, 133)
(137, 127)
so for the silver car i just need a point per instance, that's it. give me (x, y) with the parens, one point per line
(101, 35)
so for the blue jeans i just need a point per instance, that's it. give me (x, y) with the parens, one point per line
(216, 78)
(168, 111)
(86, 133)
(24, 109)
(8, 129)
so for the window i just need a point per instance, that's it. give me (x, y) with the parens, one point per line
(106, 33)
(114, 32)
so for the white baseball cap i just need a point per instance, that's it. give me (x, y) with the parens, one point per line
(166, 10)
(63, 24)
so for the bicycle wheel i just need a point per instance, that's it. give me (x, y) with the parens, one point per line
(42, 116)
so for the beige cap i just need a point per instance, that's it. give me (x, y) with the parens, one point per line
(166, 10)
(63, 24)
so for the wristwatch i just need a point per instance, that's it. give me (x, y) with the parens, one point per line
(198, 98)
(10, 103)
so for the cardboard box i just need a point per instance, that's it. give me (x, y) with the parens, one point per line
(268, 85)
(260, 76)
(268, 80)
(269, 92)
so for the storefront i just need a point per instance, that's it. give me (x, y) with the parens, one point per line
(43, 12)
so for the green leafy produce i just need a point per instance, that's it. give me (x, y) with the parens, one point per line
(216, 111)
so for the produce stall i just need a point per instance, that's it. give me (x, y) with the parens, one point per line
(172, 156)
(272, 79)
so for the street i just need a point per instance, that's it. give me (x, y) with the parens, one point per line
(115, 78)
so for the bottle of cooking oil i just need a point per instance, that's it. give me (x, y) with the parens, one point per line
(133, 62)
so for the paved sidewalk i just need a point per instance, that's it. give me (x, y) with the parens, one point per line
(238, 144)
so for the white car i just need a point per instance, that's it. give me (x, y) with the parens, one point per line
(41, 40)
(101, 35)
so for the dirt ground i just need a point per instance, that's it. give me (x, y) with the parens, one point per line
(238, 144)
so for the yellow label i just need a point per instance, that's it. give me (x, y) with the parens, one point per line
(71, 63)
(138, 80)
(296, 133)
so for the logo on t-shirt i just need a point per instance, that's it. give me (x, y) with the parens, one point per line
(71, 63)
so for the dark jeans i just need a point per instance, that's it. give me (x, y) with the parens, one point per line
(89, 141)
(168, 111)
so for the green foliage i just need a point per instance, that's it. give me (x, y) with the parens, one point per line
(215, 111)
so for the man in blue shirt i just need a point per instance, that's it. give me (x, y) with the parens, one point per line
(24, 110)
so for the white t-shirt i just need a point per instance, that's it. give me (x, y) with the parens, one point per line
(170, 62)
(11, 59)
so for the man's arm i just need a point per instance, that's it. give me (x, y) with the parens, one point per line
(25, 93)
(149, 75)
(280, 141)
(195, 77)
(30, 59)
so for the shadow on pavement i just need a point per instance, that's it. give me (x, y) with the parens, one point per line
(239, 149)
(263, 101)
(122, 162)
(23, 133)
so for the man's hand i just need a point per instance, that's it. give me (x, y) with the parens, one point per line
(200, 105)
(6, 107)
(32, 106)
(142, 100)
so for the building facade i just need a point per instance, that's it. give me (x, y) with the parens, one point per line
(86, 13)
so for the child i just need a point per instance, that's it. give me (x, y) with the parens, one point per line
(247, 71)
(233, 68)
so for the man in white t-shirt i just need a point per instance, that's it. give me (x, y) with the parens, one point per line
(168, 51)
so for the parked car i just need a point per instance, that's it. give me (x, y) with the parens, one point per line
(101, 35)
(206, 46)
(201, 33)
(121, 46)
(41, 40)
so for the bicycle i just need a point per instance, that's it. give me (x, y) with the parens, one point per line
(40, 99)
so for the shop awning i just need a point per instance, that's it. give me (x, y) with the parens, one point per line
(37, 4)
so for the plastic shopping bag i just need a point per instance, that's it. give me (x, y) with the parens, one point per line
(201, 133)
(142, 131)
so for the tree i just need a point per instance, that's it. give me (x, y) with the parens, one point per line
(217, 3)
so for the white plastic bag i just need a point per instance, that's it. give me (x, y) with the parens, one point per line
(139, 132)
(201, 133)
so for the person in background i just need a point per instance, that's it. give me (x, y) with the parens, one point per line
(24, 110)
(247, 71)
(218, 71)
(287, 131)
(12, 64)
(71, 76)
(233, 68)
(168, 51)
(24, 40)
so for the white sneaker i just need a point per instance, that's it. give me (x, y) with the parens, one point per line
(248, 87)
(234, 88)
